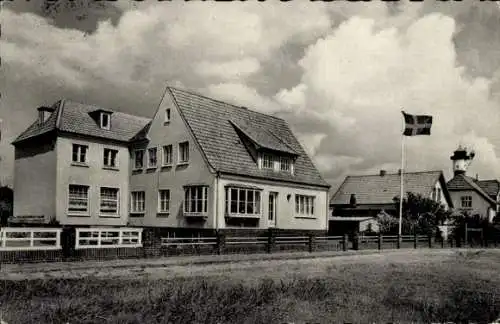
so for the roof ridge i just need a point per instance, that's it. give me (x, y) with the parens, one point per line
(224, 102)
(396, 173)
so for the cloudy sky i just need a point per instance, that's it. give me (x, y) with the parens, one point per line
(339, 72)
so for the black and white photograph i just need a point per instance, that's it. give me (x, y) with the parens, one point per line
(253, 161)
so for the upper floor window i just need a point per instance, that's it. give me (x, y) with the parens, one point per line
(110, 157)
(284, 164)
(78, 200)
(267, 161)
(137, 202)
(138, 159)
(304, 205)
(167, 155)
(80, 153)
(109, 201)
(167, 115)
(152, 157)
(105, 120)
(183, 152)
(196, 199)
(438, 195)
(466, 201)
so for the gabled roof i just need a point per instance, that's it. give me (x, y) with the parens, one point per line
(463, 182)
(73, 117)
(491, 187)
(214, 125)
(378, 189)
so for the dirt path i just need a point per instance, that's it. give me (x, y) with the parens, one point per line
(238, 267)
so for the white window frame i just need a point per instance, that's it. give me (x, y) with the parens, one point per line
(288, 164)
(150, 155)
(180, 155)
(81, 151)
(107, 117)
(74, 212)
(108, 157)
(135, 203)
(165, 161)
(164, 200)
(191, 194)
(271, 161)
(466, 202)
(242, 194)
(305, 206)
(102, 199)
(168, 115)
(135, 159)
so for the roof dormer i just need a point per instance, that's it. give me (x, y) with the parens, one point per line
(44, 113)
(102, 118)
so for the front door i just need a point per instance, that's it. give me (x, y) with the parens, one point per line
(271, 216)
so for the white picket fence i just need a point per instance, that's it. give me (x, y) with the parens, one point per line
(29, 239)
(95, 238)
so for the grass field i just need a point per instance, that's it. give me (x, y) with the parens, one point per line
(405, 286)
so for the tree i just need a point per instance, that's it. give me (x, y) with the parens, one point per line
(422, 215)
(6, 204)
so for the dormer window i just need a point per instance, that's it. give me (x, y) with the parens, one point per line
(284, 164)
(267, 161)
(105, 120)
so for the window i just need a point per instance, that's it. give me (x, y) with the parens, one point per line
(137, 202)
(438, 196)
(267, 161)
(105, 120)
(110, 157)
(152, 157)
(304, 205)
(466, 201)
(78, 199)
(139, 159)
(284, 164)
(183, 152)
(109, 201)
(167, 155)
(80, 153)
(241, 201)
(167, 115)
(195, 199)
(164, 201)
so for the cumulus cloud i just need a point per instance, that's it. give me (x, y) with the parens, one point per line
(342, 72)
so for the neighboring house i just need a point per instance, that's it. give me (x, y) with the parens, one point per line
(471, 195)
(198, 163)
(367, 195)
(72, 166)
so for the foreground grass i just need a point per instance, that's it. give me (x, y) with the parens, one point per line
(461, 288)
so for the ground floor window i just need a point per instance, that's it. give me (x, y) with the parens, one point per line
(242, 201)
(78, 199)
(304, 205)
(196, 199)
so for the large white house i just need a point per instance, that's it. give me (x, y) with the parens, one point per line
(199, 163)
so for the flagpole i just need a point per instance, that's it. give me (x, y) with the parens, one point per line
(401, 177)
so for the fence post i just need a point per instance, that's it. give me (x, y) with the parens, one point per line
(415, 239)
(379, 241)
(345, 241)
(220, 240)
(442, 241)
(311, 243)
(355, 242)
(270, 241)
(398, 245)
(429, 238)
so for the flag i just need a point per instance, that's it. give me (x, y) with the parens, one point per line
(417, 124)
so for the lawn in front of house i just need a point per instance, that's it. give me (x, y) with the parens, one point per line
(399, 286)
